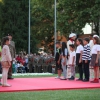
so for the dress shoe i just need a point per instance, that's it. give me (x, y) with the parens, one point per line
(85, 80)
(63, 79)
(79, 79)
(10, 78)
(72, 78)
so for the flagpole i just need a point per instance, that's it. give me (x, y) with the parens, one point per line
(55, 26)
(29, 31)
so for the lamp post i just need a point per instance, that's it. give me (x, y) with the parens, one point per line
(55, 27)
(29, 31)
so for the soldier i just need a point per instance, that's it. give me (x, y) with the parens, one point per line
(0, 62)
(13, 53)
(30, 63)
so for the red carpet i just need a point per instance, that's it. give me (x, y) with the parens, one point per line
(40, 84)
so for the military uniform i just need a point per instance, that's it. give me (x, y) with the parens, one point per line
(13, 53)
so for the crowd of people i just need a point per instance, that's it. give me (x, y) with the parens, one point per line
(33, 63)
(83, 53)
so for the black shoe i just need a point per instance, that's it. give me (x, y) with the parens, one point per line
(79, 79)
(63, 79)
(10, 78)
(72, 78)
(85, 80)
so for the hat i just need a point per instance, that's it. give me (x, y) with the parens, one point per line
(96, 36)
(72, 35)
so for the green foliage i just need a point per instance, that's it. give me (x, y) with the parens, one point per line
(72, 15)
(15, 21)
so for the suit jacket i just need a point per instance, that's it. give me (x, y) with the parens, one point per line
(12, 49)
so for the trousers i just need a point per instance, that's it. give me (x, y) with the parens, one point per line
(64, 71)
(4, 75)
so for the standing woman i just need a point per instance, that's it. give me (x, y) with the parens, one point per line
(79, 52)
(95, 58)
(5, 61)
(64, 60)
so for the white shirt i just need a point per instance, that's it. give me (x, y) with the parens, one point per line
(95, 49)
(72, 54)
(79, 49)
(68, 43)
(91, 44)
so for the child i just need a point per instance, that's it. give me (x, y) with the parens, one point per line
(71, 40)
(95, 59)
(79, 51)
(57, 59)
(64, 60)
(71, 61)
(86, 58)
(5, 61)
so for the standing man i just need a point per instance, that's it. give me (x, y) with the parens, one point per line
(13, 52)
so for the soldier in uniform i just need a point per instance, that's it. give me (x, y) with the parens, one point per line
(0, 61)
(13, 53)
(30, 63)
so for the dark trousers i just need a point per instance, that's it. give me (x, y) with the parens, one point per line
(86, 69)
(80, 71)
(10, 71)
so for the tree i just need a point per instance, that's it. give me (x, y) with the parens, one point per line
(15, 21)
(42, 20)
(74, 14)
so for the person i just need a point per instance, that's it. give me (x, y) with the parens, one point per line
(13, 52)
(79, 51)
(64, 60)
(57, 59)
(30, 59)
(0, 62)
(72, 61)
(5, 61)
(86, 57)
(91, 41)
(71, 40)
(95, 59)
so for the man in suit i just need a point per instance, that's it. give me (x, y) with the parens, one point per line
(13, 52)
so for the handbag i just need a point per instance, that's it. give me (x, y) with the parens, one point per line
(5, 64)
